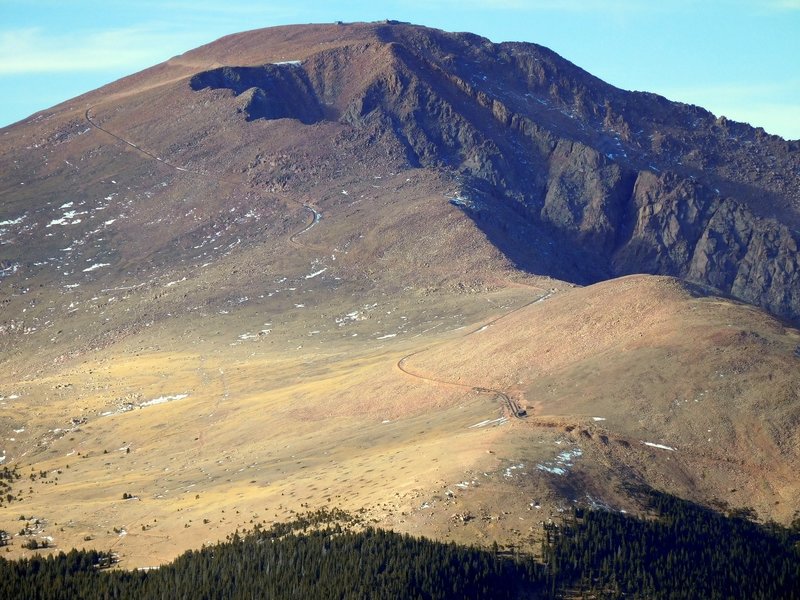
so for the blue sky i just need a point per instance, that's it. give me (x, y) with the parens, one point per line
(740, 58)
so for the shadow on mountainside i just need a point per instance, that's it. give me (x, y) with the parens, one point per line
(532, 247)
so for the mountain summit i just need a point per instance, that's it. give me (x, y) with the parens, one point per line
(568, 175)
(456, 286)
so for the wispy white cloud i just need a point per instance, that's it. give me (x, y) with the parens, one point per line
(124, 39)
(33, 50)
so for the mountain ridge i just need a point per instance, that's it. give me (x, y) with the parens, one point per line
(620, 225)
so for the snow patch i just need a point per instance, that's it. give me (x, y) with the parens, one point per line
(350, 317)
(487, 422)
(163, 399)
(9, 270)
(96, 266)
(553, 470)
(560, 464)
(16, 221)
(659, 446)
(462, 202)
(509, 471)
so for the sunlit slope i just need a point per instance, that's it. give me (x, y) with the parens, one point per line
(709, 385)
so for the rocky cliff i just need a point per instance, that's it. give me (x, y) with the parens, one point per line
(568, 175)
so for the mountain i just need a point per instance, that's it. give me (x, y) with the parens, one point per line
(456, 285)
(673, 190)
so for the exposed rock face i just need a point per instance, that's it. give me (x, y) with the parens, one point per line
(615, 182)
(679, 227)
(274, 91)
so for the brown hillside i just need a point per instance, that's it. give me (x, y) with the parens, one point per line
(332, 265)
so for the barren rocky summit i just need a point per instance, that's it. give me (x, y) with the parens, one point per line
(625, 182)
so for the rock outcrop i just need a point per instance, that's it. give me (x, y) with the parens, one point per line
(273, 91)
(568, 175)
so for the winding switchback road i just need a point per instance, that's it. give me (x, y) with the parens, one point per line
(316, 215)
(509, 403)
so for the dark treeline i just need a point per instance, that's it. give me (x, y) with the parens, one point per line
(683, 551)
(329, 562)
